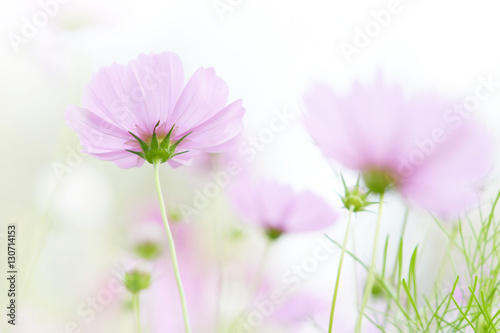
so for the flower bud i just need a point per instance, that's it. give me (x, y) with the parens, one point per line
(378, 181)
(135, 281)
(355, 198)
(148, 250)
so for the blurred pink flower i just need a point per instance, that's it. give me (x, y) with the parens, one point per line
(148, 91)
(305, 312)
(419, 145)
(301, 309)
(279, 209)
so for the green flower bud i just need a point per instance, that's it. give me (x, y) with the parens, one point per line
(174, 215)
(135, 281)
(354, 198)
(378, 181)
(148, 250)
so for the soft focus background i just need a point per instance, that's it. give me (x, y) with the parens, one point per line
(78, 217)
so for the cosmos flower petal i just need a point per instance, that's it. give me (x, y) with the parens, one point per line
(374, 134)
(275, 206)
(378, 128)
(205, 94)
(243, 201)
(273, 201)
(299, 308)
(149, 94)
(182, 159)
(162, 79)
(138, 94)
(309, 213)
(96, 134)
(444, 183)
(129, 161)
(215, 135)
(323, 119)
(223, 127)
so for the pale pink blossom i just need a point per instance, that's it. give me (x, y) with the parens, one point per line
(280, 209)
(431, 154)
(149, 95)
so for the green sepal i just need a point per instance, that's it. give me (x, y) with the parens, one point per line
(138, 153)
(166, 141)
(182, 152)
(154, 139)
(179, 141)
(156, 151)
(144, 145)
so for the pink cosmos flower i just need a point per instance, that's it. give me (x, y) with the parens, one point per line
(420, 145)
(144, 110)
(279, 209)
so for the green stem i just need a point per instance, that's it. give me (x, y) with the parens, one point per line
(371, 274)
(396, 263)
(339, 271)
(172, 249)
(403, 230)
(135, 302)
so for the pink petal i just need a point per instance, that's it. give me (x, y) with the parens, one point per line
(182, 159)
(272, 205)
(100, 138)
(447, 183)
(378, 127)
(135, 97)
(138, 94)
(223, 127)
(329, 127)
(204, 95)
(309, 213)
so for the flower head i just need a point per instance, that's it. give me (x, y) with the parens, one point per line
(144, 111)
(419, 145)
(279, 209)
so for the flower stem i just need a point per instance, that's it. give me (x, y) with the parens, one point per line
(371, 274)
(396, 264)
(135, 302)
(171, 246)
(346, 237)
